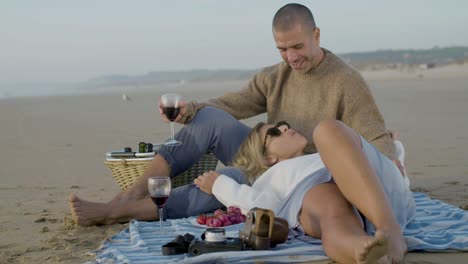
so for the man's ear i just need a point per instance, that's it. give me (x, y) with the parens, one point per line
(317, 35)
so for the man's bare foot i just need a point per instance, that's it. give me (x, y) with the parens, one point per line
(86, 213)
(373, 249)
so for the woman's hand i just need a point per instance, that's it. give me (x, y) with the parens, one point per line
(205, 182)
(400, 167)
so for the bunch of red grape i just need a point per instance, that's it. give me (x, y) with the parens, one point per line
(232, 216)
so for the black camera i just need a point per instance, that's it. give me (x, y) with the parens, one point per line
(262, 230)
(215, 240)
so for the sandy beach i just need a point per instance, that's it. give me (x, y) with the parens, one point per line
(52, 146)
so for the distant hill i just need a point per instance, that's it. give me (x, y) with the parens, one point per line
(360, 60)
(168, 76)
(435, 56)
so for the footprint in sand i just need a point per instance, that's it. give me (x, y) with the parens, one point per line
(72, 240)
(419, 189)
(452, 182)
(45, 219)
(9, 188)
(40, 220)
(44, 188)
(6, 246)
(437, 165)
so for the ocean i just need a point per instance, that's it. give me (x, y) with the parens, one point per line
(40, 89)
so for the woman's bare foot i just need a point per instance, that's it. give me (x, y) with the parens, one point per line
(373, 249)
(86, 213)
(396, 245)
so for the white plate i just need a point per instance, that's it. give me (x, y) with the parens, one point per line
(195, 223)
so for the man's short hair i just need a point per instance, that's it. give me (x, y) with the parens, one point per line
(291, 15)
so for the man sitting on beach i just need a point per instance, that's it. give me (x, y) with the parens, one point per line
(310, 85)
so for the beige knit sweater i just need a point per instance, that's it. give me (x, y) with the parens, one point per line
(330, 90)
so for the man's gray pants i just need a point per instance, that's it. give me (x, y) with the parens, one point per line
(211, 130)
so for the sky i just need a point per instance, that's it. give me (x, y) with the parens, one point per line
(73, 41)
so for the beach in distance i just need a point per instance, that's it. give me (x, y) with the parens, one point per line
(52, 146)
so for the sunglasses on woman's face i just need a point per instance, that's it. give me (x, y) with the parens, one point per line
(274, 132)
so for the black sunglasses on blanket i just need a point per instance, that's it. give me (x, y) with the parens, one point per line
(274, 132)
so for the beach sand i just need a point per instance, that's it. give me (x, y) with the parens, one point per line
(52, 146)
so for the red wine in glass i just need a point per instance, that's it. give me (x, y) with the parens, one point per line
(159, 189)
(171, 112)
(160, 200)
(170, 104)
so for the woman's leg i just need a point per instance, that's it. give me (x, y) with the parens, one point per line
(327, 215)
(340, 149)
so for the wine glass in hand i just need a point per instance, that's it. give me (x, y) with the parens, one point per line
(159, 189)
(171, 107)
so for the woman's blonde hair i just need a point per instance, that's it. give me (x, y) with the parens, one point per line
(249, 157)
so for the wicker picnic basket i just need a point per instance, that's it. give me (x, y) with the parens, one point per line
(125, 172)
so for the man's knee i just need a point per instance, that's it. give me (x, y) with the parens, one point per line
(213, 116)
(214, 123)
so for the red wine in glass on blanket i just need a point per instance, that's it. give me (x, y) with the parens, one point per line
(171, 108)
(159, 189)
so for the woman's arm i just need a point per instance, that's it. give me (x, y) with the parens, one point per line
(231, 193)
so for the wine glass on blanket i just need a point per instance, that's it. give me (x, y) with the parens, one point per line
(171, 108)
(159, 189)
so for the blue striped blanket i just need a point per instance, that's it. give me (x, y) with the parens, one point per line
(437, 227)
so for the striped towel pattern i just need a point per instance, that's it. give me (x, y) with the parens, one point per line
(437, 227)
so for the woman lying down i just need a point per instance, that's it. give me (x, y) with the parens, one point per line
(348, 194)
